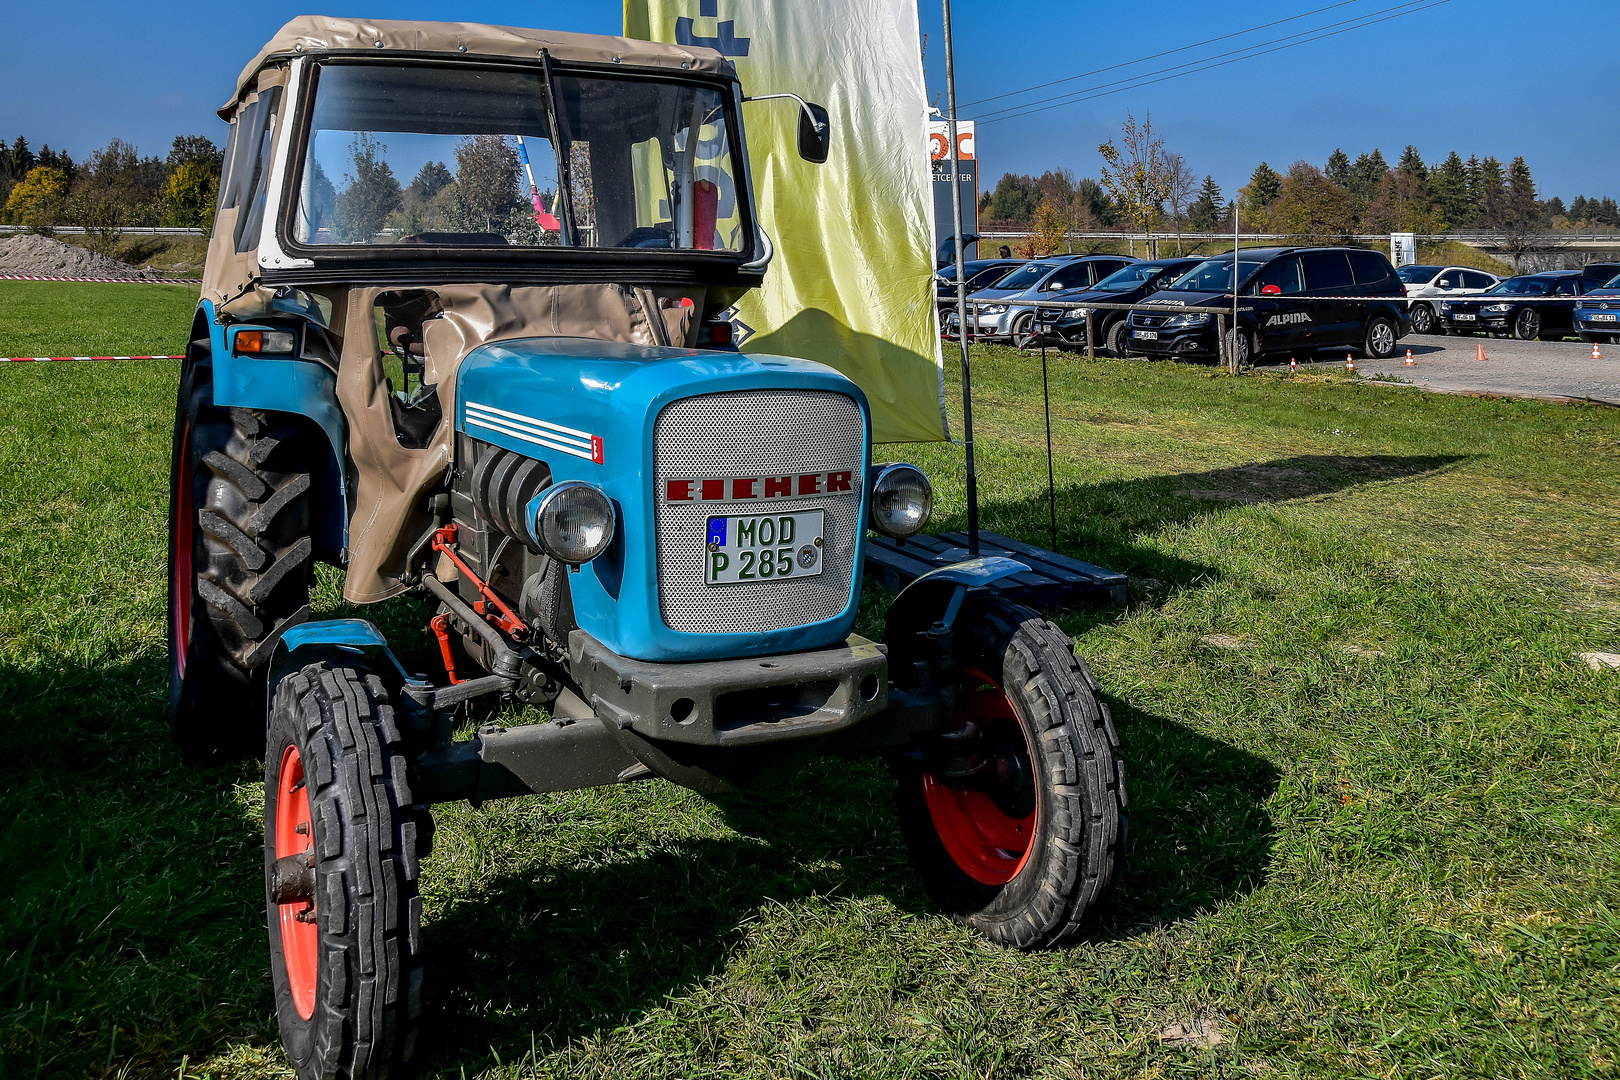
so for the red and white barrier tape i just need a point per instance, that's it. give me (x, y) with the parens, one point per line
(47, 360)
(106, 280)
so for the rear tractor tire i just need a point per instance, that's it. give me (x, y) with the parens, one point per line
(341, 846)
(1017, 829)
(240, 560)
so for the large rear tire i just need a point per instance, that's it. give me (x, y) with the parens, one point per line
(240, 557)
(1017, 830)
(340, 861)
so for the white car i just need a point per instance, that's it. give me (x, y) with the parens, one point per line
(1439, 282)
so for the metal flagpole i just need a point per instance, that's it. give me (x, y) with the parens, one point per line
(961, 290)
(1232, 359)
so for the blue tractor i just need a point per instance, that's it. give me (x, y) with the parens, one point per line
(461, 334)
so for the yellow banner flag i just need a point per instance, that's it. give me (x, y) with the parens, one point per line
(852, 281)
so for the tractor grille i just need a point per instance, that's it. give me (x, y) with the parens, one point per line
(755, 433)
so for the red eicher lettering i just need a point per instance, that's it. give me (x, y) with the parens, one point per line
(775, 486)
(743, 489)
(714, 489)
(678, 490)
(838, 481)
(810, 485)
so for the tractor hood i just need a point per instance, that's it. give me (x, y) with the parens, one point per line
(589, 409)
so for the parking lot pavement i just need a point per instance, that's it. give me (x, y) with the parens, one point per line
(1543, 369)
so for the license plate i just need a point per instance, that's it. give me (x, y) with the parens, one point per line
(1146, 335)
(1460, 317)
(1601, 318)
(765, 547)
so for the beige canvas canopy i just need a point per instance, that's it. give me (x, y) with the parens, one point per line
(322, 33)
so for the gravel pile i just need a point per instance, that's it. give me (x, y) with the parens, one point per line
(29, 254)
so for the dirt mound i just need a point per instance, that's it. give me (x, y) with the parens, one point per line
(28, 254)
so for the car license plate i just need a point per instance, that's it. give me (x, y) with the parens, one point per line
(1146, 335)
(1462, 317)
(763, 547)
(1601, 318)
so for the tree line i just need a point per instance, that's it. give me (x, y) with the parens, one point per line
(1148, 188)
(111, 189)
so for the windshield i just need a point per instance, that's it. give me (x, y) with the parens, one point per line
(1524, 286)
(412, 154)
(1612, 283)
(1215, 275)
(1417, 275)
(1026, 276)
(1131, 277)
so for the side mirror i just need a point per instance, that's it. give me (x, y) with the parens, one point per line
(1271, 290)
(815, 133)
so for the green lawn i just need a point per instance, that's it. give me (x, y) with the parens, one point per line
(1379, 838)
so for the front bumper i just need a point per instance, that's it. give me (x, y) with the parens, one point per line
(734, 702)
(984, 326)
(1605, 322)
(1194, 343)
(1489, 323)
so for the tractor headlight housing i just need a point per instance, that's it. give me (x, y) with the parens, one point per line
(902, 500)
(573, 521)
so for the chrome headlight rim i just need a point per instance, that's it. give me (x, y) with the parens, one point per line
(887, 479)
(552, 535)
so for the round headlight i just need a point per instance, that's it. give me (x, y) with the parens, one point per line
(573, 522)
(902, 500)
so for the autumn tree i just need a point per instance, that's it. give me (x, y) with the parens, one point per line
(1311, 208)
(39, 200)
(1138, 174)
(1048, 227)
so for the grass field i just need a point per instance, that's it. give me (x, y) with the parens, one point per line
(1373, 832)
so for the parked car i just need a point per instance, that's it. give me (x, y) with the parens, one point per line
(1528, 307)
(945, 254)
(1292, 300)
(1124, 286)
(1007, 310)
(1597, 314)
(980, 274)
(1427, 285)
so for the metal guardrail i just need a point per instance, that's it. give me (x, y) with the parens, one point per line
(127, 230)
(1482, 238)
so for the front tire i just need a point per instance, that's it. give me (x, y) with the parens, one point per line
(340, 861)
(1240, 345)
(1119, 340)
(1023, 842)
(1527, 324)
(1423, 320)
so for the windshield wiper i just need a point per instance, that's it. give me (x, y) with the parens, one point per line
(565, 175)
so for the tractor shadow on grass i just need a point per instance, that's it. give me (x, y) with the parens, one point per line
(1104, 523)
(574, 949)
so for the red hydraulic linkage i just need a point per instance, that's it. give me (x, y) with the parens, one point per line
(441, 630)
(504, 617)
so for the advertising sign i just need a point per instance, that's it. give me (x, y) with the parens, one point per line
(1403, 248)
(852, 281)
(967, 175)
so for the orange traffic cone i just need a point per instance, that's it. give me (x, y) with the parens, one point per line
(1597, 354)
(1349, 362)
(1409, 361)
(1293, 365)
(1479, 352)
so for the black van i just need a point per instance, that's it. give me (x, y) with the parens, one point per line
(1291, 300)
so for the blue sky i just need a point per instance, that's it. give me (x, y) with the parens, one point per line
(1479, 76)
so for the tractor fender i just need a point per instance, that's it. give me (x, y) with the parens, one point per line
(927, 609)
(308, 642)
(289, 385)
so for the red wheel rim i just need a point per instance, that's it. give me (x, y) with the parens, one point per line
(300, 940)
(985, 843)
(180, 586)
